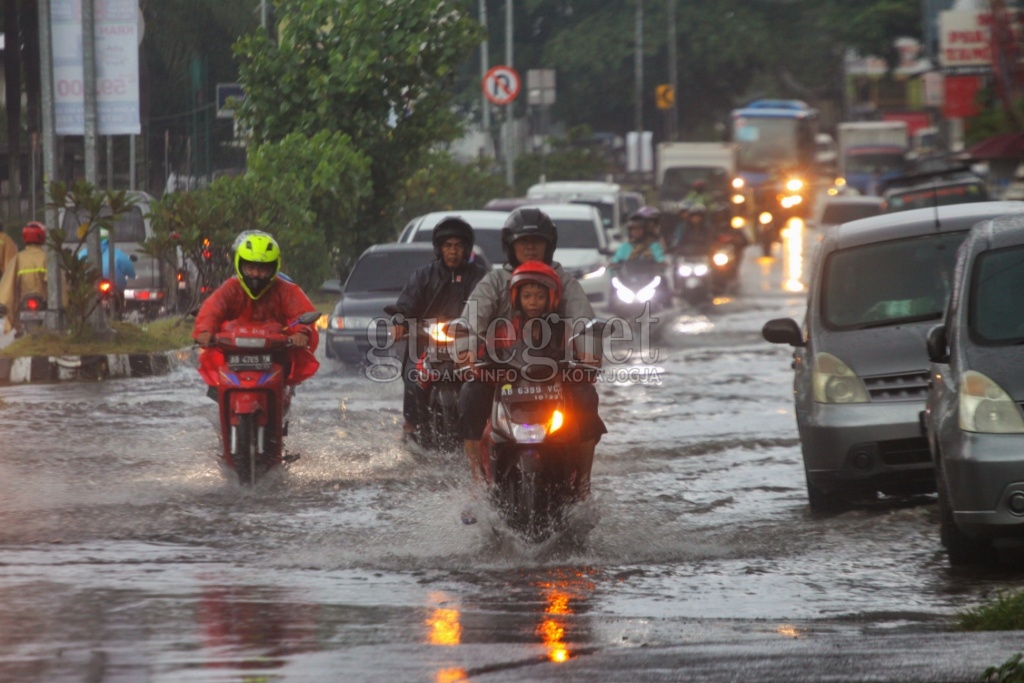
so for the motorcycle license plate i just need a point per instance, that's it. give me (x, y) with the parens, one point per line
(532, 392)
(249, 361)
(35, 317)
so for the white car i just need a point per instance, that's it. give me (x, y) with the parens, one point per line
(583, 249)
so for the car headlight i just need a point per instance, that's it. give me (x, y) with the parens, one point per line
(336, 322)
(835, 382)
(986, 408)
(595, 271)
(794, 185)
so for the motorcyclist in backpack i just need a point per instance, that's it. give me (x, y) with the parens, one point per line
(527, 235)
(438, 291)
(25, 274)
(643, 241)
(256, 294)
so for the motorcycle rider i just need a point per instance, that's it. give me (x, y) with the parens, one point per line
(25, 274)
(438, 291)
(699, 194)
(643, 241)
(695, 233)
(257, 294)
(527, 235)
(123, 266)
(8, 250)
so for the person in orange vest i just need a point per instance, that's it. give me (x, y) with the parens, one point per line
(8, 250)
(25, 274)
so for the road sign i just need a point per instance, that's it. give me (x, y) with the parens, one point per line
(229, 95)
(665, 96)
(501, 85)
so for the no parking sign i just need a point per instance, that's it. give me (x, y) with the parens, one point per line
(501, 85)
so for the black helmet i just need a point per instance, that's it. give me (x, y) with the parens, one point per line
(528, 222)
(452, 226)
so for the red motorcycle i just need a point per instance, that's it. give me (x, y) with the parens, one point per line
(252, 370)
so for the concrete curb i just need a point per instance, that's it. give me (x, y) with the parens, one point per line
(34, 369)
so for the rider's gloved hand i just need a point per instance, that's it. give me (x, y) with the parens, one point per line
(204, 338)
(300, 339)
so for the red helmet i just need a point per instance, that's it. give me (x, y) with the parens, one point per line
(538, 273)
(34, 233)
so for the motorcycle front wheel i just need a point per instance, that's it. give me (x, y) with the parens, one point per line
(529, 506)
(246, 456)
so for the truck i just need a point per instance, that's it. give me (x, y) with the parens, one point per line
(872, 152)
(679, 164)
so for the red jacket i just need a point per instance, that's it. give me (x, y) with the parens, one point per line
(283, 302)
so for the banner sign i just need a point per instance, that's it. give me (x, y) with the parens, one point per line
(117, 67)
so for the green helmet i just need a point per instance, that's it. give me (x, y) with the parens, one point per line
(261, 248)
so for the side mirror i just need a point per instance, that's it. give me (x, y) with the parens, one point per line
(783, 331)
(938, 344)
(606, 251)
(310, 317)
(133, 258)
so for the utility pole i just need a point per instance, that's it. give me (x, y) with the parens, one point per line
(53, 274)
(638, 69)
(263, 15)
(97, 319)
(510, 140)
(673, 76)
(484, 66)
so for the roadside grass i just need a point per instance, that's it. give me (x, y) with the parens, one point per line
(166, 334)
(1005, 613)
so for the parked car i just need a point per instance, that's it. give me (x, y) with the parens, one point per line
(486, 230)
(937, 188)
(583, 247)
(156, 288)
(375, 282)
(861, 369)
(973, 418)
(844, 208)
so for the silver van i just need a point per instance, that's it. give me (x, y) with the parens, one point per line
(861, 366)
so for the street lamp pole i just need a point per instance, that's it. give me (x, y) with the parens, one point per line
(638, 68)
(510, 139)
(673, 76)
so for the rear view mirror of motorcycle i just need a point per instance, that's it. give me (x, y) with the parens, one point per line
(309, 318)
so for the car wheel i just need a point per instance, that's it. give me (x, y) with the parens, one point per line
(962, 550)
(823, 502)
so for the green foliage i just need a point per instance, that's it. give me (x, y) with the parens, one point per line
(443, 184)
(1006, 613)
(1010, 671)
(380, 72)
(570, 158)
(95, 210)
(303, 191)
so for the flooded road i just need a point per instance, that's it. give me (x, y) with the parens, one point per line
(127, 555)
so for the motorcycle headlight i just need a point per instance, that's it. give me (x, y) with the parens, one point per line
(439, 332)
(765, 218)
(738, 199)
(794, 185)
(720, 258)
(684, 271)
(700, 270)
(986, 408)
(738, 183)
(835, 382)
(647, 293)
(624, 293)
(737, 222)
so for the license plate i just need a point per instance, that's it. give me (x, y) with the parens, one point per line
(32, 317)
(249, 361)
(532, 392)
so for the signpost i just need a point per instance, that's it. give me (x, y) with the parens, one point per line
(665, 96)
(501, 85)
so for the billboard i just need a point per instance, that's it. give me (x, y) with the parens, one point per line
(117, 67)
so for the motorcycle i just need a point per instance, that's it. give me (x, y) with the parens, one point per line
(252, 370)
(529, 454)
(31, 313)
(635, 285)
(439, 377)
(693, 279)
(725, 266)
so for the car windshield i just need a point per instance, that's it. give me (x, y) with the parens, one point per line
(995, 315)
(678, 181)
(385, 271)
(488, 239)
(129, 227)
(888, 283)
(606, 209)
(839, 212)
(938, 196)
(577, 234)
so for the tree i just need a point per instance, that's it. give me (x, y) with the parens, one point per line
(380, 72)
(445, 184)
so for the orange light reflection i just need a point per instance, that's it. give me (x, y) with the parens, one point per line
(788, 630)
(793, 255)
(552, 629)
(451, 676)
(445, 628)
